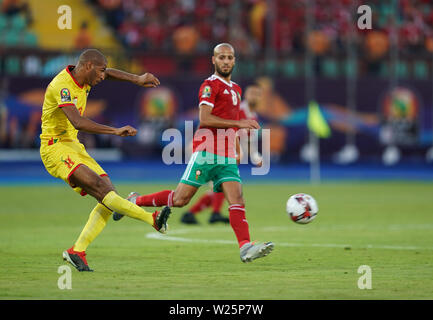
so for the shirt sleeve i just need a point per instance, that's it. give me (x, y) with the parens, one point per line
(63, 98)
(207, 93)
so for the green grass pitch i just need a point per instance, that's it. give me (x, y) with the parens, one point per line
(387, 226)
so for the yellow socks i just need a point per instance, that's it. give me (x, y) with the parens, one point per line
(99, 216)
(123, 206)
(97, 221)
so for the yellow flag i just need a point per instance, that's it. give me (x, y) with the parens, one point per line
(316, 122)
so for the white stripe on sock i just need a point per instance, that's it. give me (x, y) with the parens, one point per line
(236, 207)
(170, 199)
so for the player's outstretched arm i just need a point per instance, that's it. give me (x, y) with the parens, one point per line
(84, 124)
(147, 80)
(207, 119)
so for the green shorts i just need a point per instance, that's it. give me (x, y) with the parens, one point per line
(204, 167)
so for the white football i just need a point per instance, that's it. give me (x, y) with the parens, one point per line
(302, 208)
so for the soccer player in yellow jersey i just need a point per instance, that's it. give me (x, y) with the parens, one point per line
(65, 157)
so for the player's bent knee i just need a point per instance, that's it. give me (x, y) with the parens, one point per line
(180, 202)
(102, 188)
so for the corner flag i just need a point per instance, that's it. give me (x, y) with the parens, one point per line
(316, 122)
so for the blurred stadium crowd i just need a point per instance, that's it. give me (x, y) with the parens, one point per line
(191, 26)
(257, 28)
(274, 28)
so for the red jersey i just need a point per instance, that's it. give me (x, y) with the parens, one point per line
(224, 98)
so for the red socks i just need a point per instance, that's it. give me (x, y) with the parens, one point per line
(217, 201)
(165, 198)
(239, 223)
(158, 199)
(236, 211)
(204, 202)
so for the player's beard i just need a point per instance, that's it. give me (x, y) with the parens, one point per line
(221, 72)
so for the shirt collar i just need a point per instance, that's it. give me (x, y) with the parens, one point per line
(68, 70)
(221, 79)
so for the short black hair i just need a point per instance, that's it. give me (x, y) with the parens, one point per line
(93, 55)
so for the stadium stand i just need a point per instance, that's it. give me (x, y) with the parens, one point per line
(15, 20)
(150, 24)
(45, 12)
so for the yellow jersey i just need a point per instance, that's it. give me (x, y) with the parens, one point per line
(62, 91)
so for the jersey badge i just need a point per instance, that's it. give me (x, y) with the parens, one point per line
(65, 95)
(197, 174)
(207, 91)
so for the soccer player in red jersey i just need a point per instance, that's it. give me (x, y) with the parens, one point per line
(214, 154)
(216, 199)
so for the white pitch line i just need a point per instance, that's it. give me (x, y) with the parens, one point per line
(159, 236)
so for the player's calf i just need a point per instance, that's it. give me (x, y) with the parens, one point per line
(183, 195)
(180, 201)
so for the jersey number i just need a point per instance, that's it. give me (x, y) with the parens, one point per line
(234, 97)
